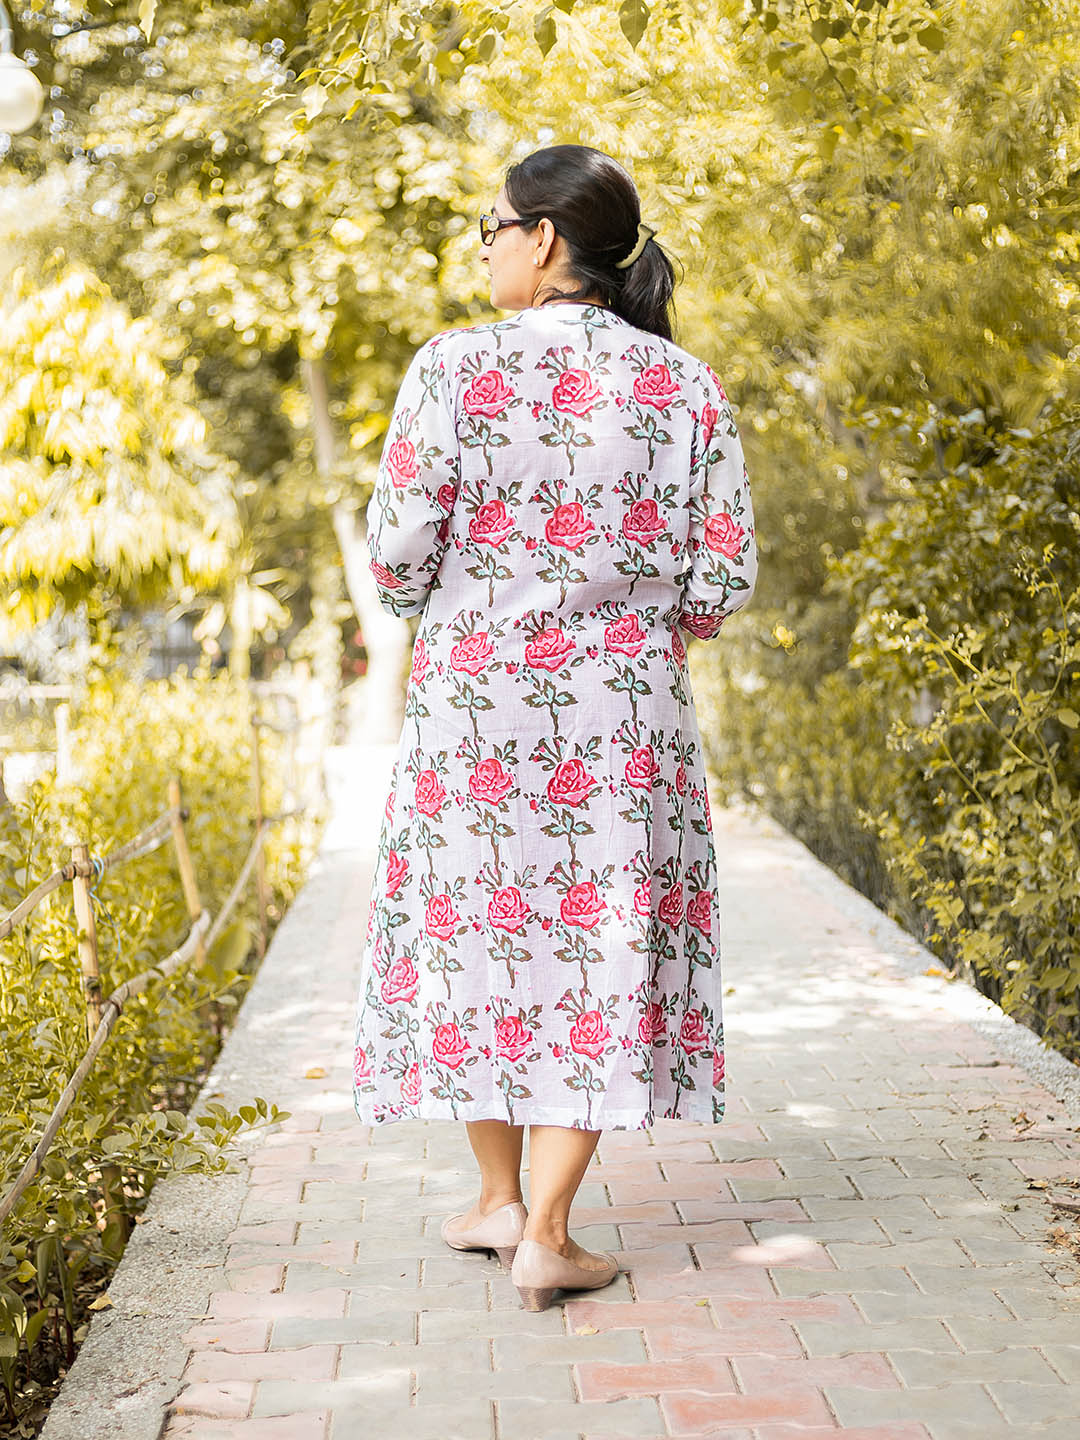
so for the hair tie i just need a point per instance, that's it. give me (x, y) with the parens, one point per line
(645, 233)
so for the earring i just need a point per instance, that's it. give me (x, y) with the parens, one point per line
(536, 260)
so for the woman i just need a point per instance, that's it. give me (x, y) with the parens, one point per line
(559, 492)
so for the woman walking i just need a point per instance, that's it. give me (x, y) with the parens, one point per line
(560, 491)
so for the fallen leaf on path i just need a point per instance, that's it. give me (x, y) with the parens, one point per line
(586, 1330)
(315, 1072)
(101, 1303)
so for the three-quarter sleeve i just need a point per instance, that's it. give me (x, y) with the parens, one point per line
(721, 547)
(408, 516)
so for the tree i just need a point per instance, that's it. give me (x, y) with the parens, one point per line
(108, 495)
(276, 253)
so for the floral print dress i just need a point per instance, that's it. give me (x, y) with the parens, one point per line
(560, 495)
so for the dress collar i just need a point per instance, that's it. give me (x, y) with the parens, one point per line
(579, 309)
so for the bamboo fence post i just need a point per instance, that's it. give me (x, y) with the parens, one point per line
(112, 1184)
(260, 864)
(62, 724)
(184, 863)
(88, 948)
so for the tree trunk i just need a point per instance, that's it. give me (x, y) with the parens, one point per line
(241, 630)
(378, 713)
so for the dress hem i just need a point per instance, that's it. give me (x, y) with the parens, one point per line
(567, 1119)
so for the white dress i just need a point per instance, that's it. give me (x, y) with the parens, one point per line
(559, 491)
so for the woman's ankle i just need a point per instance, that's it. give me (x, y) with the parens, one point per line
(497, 1199)
(551, 1233)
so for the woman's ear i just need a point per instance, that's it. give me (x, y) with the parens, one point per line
(548, 237)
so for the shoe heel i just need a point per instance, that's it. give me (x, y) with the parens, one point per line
(535, 1297)
(506, 1255)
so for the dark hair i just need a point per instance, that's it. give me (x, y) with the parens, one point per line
(594, 205)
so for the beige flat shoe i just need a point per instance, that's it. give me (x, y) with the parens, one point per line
(539, 1271)
(500, 1231)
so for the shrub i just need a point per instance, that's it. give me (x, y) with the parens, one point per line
(128, 1123)
(936, 767)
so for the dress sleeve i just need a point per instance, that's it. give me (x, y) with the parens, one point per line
(408, 516)
(721, 547)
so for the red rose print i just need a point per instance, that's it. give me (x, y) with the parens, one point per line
(589, 1034)
(680, 780)
(569, 526)
(643, 898)
(508, 909)
(446, 495)
(401, 462)
(642, 523)
(699, 911)
(571, 783)
(577, 392)
(671, 907)
(472, 653)
(396, 869)
(678, 649)
(420, 663)
(724, 533)
(361, 1066)
(549, 650)
(693, 1036)
(652, 1027)
(490, 781)
(704, 626)
(488, 395)
(388, 808)
(449, 1046)
(716, 382)
(410, 1086)
(582, 905)
(440, 917)
(511, 1038)
(625, 635)
(709, 417)
(641, 768)
(400, 981)
(386, 578)
(491, 524)
(654, 386)
(430, 793)
(718, 1067)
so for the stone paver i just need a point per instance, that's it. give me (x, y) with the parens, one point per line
(854, 1252)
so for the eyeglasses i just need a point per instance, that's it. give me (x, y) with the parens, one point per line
(490, 225)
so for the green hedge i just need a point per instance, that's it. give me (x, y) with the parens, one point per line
(914, 717)
(58, 1247)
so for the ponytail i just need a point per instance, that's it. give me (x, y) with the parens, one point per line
(644, 296)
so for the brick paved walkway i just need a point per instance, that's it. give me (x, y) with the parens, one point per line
(855, 1252)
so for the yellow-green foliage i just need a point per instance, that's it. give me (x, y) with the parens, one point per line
(128, 740)
(938, 766)
(103, 472)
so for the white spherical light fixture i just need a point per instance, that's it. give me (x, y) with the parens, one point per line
(21, 95)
